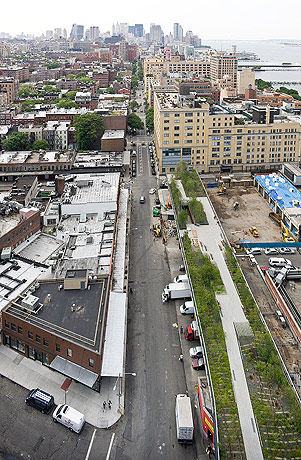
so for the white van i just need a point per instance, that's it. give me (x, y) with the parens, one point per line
(69, 417)
(279, 262)
(253, 252)
(187, 308)
(180, 279)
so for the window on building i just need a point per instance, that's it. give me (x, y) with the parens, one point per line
(91, 362)
(30, 334)
(13, 326)
(20, 330)
(69, 352)
(38, 338)
(57, 347)
(45, 342)
(6, 323)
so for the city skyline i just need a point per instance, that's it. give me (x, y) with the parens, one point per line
(229, 24)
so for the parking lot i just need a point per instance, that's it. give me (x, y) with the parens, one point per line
(252, 210)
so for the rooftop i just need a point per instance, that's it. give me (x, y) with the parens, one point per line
(15, 277)
(113, 134)
(39, 247)
(17, 157)
(92, 188)
(74, 314)
(281, 190)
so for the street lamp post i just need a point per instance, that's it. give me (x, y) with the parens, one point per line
(118, 382)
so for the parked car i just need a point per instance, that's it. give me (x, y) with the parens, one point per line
(152, 191)
(153, 172)
(254, 252)
(41, 400)
(196, 352)
(287, 250)
(271, 251)
(198, 364)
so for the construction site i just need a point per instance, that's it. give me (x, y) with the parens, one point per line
(246, 217)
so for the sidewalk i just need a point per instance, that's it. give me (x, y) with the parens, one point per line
(33, 374)
(211, 238)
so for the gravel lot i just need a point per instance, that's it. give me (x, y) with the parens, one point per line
(252, 210)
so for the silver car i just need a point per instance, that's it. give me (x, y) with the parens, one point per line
(287, 251)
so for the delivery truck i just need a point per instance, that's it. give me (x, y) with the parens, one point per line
(184, 420)
(176, 291)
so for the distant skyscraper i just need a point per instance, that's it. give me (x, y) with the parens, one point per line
(49, 34)
(177, 32)
(124, 28)
(93, 33)
(156, 33)
(138, 30)
(77, 32)
(58, 32)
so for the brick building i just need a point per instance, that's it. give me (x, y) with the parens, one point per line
(28, 225)
(113, 141)
(9, 86)
(60, 327)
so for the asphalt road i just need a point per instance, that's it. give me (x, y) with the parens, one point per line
(263, 259)
(26, 433)
(148, 429)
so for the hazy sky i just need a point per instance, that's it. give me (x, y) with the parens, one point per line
(220, 19)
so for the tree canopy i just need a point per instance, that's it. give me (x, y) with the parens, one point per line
(17, 141)
(27, 90)
(40, 145)
(66, 104)
(88, 131)
(134, 105)
(149, 118)
(135, 122)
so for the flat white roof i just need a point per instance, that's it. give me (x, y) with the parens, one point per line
(113, 134)
(113, 354)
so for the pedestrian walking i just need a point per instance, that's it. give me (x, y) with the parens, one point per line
(181, 329)
(110, 404)
(104, 405)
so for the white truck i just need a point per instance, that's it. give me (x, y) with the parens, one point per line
(187, 308)
(184, 420)
(181, 279)
(176, 291)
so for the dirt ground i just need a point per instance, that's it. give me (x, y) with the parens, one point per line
(252, 210)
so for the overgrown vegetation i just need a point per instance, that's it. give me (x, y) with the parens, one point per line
(274, 402)
(206, 281)
(197, 211)
(190, 180)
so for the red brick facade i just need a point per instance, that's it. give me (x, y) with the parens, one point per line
(22, 231)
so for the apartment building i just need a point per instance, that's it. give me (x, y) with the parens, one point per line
(223, 65)
(155, 67)
(9, 86)
(186, 128)
(17, 73)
